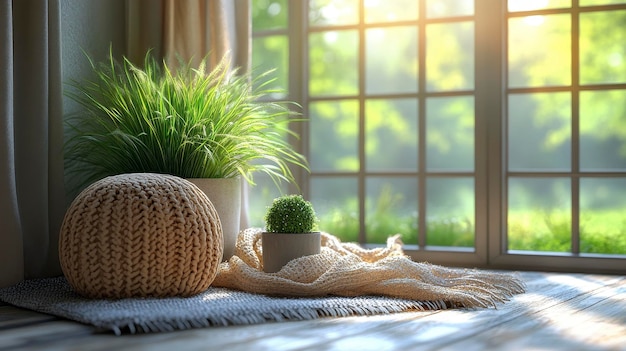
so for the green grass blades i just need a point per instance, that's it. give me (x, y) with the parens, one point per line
(186, 121)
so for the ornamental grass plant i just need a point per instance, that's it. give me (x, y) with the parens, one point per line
(185, 121)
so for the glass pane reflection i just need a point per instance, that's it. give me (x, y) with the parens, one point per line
(334, 136)
(539, 214)
(391, 137)
(391, 208)
(539, 132)
(450, 133)
(603, 215)
(450, 212)
(530, 64)
(336, 204)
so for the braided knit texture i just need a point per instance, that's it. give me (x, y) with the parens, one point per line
(347, 269)
(139, 235)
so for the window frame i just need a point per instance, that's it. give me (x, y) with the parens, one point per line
(499, 254)
(490, 137)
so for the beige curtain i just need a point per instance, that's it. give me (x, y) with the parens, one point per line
(31, 136)
(32, 196)
(191, 30)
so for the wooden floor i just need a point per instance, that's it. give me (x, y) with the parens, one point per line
(558, 312)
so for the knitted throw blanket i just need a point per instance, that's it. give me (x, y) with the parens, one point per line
(346, 269)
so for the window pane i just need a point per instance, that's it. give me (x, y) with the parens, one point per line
(390, 10)
(600, 2)
(272, 53)
(603, 130)
(602, 47)
(336, 205)
(450, 212)
(261, 196)
(539, 51)
(391, 60)
(391, 139)
(540, 132)
(391, 208)
(269, 14)
(529, 5)
(449, 8)
(333, 63)
(334, 128)
(539, 214)
(603, 215)
(333, 12)
(450, 133)
(450, 56)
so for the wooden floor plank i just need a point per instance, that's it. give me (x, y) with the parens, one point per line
(45, 336)
(13, 317)
(361, 334)
(590, 321)
(560, 311)
(438, 330)
(277, 336)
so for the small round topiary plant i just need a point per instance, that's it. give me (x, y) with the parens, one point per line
(290, 214)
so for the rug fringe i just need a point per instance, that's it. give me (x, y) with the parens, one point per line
(136, 327)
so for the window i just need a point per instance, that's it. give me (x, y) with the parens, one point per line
(486, 133)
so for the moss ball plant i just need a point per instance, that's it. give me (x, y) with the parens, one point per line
(290, 214)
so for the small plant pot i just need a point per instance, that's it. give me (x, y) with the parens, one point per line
(280, 248)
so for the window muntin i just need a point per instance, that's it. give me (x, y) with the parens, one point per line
(562, 154)
(553, 107)
(407, 125)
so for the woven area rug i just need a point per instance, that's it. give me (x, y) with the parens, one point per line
(214, 307)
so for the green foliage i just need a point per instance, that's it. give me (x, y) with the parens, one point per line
(450, 233)
(344, 224)
(534, 231)
(269, 14)
(603, 232)
(190, 122)
(551, 232)
(290, 214)
(379, 225)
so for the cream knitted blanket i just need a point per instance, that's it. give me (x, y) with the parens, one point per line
(346, 269)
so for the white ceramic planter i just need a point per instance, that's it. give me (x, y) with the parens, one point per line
(280, 248)
(225, 195)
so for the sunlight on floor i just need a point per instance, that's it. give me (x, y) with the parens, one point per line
(363, 344)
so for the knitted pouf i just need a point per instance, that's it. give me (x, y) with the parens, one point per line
(140, 234)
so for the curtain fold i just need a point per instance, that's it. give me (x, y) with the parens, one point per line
(31, 145)
(32, 201)
(189, 30)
